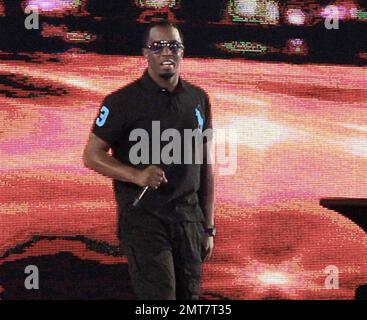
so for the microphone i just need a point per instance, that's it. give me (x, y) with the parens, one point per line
(140, 195)
(145, 189)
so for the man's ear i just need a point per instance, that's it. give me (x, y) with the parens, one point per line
(145, 52)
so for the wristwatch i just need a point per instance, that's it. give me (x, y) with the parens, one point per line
(211, 232)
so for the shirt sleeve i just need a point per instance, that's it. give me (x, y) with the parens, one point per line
(109, 122)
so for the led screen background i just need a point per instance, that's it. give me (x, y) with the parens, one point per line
(301, 136)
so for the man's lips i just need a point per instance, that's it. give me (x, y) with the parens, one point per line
(167, 63)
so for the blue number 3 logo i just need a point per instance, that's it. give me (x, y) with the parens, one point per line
(102, 116)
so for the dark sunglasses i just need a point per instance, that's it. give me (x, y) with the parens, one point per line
(157, 46)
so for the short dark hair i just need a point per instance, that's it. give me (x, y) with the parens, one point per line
(163, 24)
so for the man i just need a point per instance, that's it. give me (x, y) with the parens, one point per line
(169, 232)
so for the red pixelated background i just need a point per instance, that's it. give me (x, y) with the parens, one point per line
(301, 136)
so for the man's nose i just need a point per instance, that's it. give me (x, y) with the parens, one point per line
(166, 51)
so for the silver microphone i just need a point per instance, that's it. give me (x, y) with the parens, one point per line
(140, 195)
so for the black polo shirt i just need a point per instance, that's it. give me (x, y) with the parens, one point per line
(137, 106)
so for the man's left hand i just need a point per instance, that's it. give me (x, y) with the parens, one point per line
(207, 247)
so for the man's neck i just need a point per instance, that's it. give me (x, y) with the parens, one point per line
(170, 84)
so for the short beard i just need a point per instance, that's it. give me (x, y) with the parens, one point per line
(166, 76)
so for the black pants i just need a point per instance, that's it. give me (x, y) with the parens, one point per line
(165, 259)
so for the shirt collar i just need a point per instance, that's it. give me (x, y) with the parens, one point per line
(148, 83)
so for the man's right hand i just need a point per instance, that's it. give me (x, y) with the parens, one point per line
(151, 176)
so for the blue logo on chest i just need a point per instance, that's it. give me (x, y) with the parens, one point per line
(199, 118)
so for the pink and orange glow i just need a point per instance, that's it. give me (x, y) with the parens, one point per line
(301, 134)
